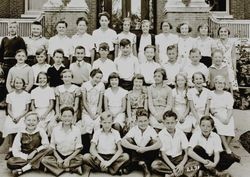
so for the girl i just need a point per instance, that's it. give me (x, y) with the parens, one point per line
(92, 96)
(22, 70)
(227, 45)
(115, 101)
(66, 144)
(222, 110)
(67, 94)
(180, 102)
(185, 43)
(42, 102)
(205, 44)
(126, 34)
(198, 98)
(17, 107)
(163, 40)
(29, 146)
(159, 98)
(136, 98)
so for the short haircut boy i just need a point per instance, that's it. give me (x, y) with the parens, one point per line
(80, 47)
(208, 118)
(125, 42)
(150, 47)
(58, 51)
(104, 46)
(67, 108)
(82, 19)
(106, 114)
(141, 113)
(106, 14)
(194, 50)
(62, 22)
(169, 114)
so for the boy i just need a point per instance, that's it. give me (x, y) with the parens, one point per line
(82, 38)
(105, 151)
(147, 69)
(174, 148)
(41, 65)
(61, 41)
(127, 65)
(80, 69)
(29, 147)
(172, 67)
(144, 39)
(9, 45)
(142, 142)
(195, 66)
(22, 70)
(54, 72)
(205, 147)
(34, 42)
(106, 65)
(66, 144)
(104, 34)
(219, 68)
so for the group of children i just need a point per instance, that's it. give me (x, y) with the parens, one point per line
(156, 106)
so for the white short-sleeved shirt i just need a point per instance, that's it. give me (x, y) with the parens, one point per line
(58, 42)
(34, 44)
(147, 70)
(142, 138)
(115, 99)
(108, 36)
(127, 66)
(66, 142)
(204, 45)
(85, 40)
(190, 69)
(42, 96)
(164, 41)
(18, 102)
(199, 99)
(211, 145)
(106, 143)
(173, 146)
(37, 68)
(172, 69)
(107, 67)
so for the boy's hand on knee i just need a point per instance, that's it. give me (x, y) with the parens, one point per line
(60, 163)
(179, 169)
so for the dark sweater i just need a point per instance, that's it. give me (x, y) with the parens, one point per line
(54, 76)
(9, 46)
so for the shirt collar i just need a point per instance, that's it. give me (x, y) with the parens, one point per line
(23, 66)
(59, 66)
(25, 131)
(215, 67)
(31, 37)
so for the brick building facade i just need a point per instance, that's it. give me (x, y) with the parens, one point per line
(239, 9)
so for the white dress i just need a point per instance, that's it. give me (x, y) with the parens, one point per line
(115, 104)
(18, 102)
(180, 100)
(200, 101)
(42, 97)
(164, 41)
(220, 103)
(87, 124)
(184, 47)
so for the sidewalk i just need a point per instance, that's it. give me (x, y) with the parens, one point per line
(242, 123)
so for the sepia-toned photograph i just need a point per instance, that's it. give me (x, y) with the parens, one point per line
(125, 88)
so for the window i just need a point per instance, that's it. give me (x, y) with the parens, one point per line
(137, 10)
(219, 7)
